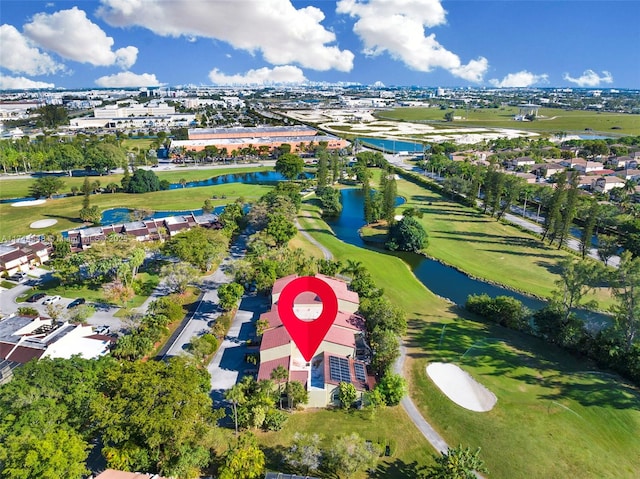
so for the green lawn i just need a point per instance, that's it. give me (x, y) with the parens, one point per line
(19, 187)
(551, 120)
(15, 221)
(411, 451)
(465, 238)
(530, 433)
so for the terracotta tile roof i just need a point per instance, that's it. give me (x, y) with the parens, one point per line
(280, 283)
(341, 336)
(264, 372)
(275, 337)
(272, 318)
(340, 288)
(12, 255)
(349, 321)
(300, 376)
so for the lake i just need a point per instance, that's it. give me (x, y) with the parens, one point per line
(441, 279)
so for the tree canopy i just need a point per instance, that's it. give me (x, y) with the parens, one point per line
(290, 166)
(199, 246)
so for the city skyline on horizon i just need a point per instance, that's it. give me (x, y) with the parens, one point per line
(421, 43)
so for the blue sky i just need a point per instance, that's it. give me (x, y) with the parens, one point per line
(132, 43)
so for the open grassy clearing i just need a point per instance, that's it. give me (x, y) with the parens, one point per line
(411, 453)
(552, 120)
(555, 417)
(299, 241)
(465, 238)
(141, 143)
(15, 221)
(526, 435)
(19, 187)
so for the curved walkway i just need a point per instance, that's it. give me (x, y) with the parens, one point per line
(326, 253)
(423, 426)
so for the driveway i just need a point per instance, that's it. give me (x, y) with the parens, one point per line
(228, 366)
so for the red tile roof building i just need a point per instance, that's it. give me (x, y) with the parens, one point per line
(340, 354)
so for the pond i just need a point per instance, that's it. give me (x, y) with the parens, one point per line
(259, 177)
(441, 279)
(392, 146)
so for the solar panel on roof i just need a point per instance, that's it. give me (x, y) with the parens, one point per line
(339, 369)
(360, 372)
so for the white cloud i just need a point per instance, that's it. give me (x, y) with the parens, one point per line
(590, 78)
(261, 76)
(283, 34)
(18, 55)
(22, 83)
(398, 28)
(72, 35)
(126, 57)
(521, 79)
(128, 79)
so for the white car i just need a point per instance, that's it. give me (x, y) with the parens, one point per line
(51, 299)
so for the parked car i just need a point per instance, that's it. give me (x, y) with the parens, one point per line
(76, 302)
(52, 299)
(17, 277)
(35, 297)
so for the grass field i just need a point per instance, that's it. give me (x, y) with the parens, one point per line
(411, 453)
(19, 187)
(15, 221)
(479, 245)
(551, 120)
(531, 433)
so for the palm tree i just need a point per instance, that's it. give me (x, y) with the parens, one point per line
(183, 182)
(353, 267)
(235, 396)
(278, 375)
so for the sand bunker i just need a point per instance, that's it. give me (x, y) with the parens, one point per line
(28, 203)
(43, 223)
(461, 388)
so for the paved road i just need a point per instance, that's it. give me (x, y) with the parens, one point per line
(572, 243)
(208, 310)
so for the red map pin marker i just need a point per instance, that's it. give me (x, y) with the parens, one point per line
(307, 334)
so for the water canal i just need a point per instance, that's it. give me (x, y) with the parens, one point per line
(441, 279)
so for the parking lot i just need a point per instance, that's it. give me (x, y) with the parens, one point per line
(103, 319)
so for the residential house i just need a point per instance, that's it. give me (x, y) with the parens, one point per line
(23, 338)
(546, 170)
(521, 162)
(605, 184)
(624, 162)
(146, 230)
(582, 165)
(527, 177)
(630, 174)
(23, 255)
(341, 357)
